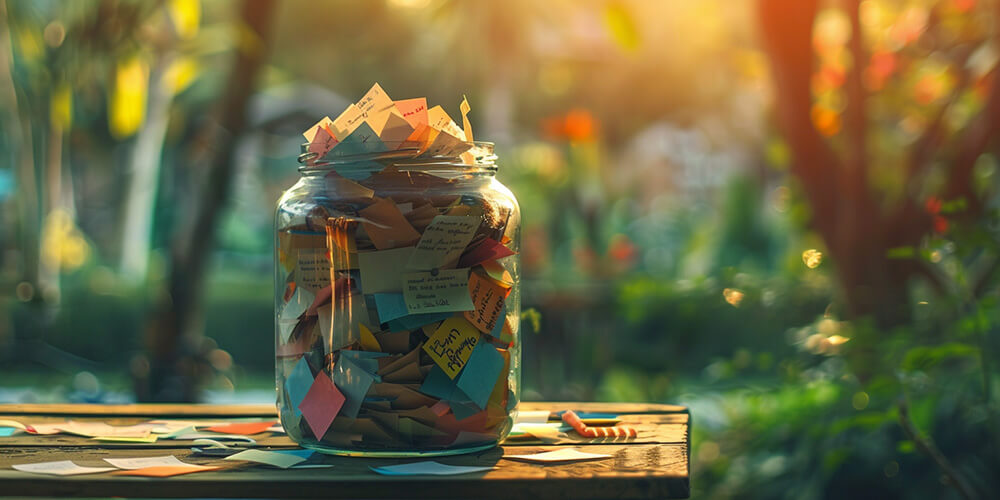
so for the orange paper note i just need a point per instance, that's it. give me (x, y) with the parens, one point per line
(414, 111)
(165, 470)
(242, 428)
(488, 298)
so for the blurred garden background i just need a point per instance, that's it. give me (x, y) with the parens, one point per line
(782, 213)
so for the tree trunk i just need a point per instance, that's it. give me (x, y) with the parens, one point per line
(173, 333)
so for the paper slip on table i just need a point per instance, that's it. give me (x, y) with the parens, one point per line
(653, 465)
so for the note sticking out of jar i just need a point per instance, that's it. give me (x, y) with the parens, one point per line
(397, 294)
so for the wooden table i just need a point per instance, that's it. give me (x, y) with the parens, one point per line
(654, 465)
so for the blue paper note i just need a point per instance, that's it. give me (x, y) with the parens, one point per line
(392, 312)
(501, 319)
(390, 306)
(414, 321)
(480, 373)
(584, 415)
(367, 360)
(6, 431)
(303, 453)
(353, 381)
(424, 468)
(298, 383)
(438, 384)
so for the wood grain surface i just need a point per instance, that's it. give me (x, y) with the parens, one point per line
(655, 465)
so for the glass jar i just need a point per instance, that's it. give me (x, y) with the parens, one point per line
(397, 305)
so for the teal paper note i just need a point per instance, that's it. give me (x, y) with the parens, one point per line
(363, 140)
(354, 382)
(298, 383)
(427, 468)
(6, 431)
(480, 373)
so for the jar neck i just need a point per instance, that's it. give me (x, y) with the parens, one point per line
(479, 161)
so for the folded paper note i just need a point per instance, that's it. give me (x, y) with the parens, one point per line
(427, 468)
(281, 460)
(563, 455)
(60, 468)
(446, 290)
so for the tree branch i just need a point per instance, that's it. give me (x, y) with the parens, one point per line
(928, 448)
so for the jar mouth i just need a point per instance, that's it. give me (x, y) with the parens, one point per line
(403, 159)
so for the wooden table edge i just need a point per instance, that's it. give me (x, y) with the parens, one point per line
(166, 410)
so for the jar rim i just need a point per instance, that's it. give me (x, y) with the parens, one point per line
(404, 159)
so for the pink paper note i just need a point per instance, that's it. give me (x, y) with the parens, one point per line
(489, 249)
(414, 111)
(321, 404)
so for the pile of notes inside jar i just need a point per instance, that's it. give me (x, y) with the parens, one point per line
(397, 300)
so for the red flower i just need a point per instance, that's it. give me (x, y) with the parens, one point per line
(933, 205)
(940, 224)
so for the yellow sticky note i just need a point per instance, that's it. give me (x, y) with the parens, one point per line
(368, 341)
(452, 344)
(466, 124)
(488, 300)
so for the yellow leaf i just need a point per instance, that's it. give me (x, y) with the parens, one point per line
(185, 16)
(127, 105)
(181, 73)
(61, 106)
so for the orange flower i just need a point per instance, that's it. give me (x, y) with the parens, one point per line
(578, 125)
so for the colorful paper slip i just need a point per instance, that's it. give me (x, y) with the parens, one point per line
(489, 249)
(312, 269)
(298, 383)
(125, 439)
(60, 468)
(166, 470)
(427, 468)
(443, 242)
(281, 460)
(414, 111)
(142, 462)
(243, 428)
(480, 373)
(321, 404)
(488, 299)
(386, 226)
(361, 140)
(381, 271)
(452, 344)
(446, 290)
(354, 381)
(7, 431)
(324, 124)
(368, 340)
(563, 455)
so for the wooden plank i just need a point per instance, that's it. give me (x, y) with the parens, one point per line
(147, 410)
(267, 410)
(654, 466)
(652, 429)
(637, 471)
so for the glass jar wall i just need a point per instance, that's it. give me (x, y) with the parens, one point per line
(397, 306)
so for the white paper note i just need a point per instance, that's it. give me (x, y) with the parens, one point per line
(443, 242)
(62, 468)
(281, 460)
(427, 468)
(564, 455)
(442, 291)
(143, 462)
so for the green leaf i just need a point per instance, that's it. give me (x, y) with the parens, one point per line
(924, 357)
(901, 253)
